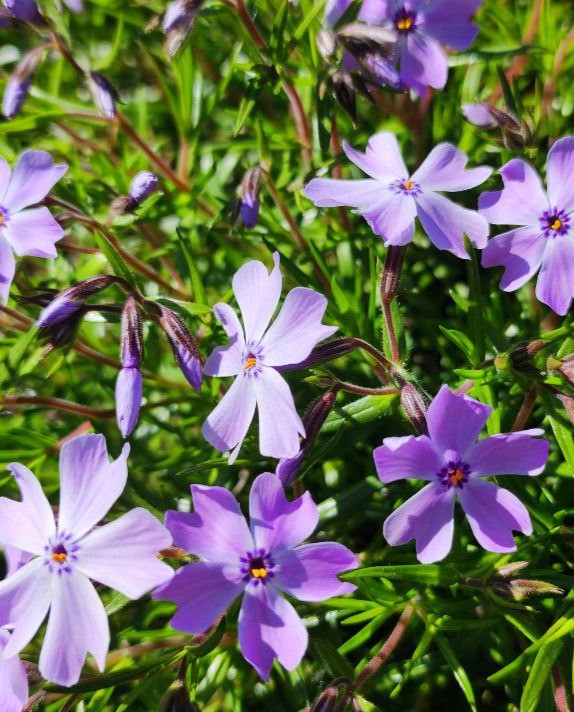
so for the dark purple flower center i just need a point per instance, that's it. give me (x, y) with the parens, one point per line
(4, 215)
(257, 566)
(454, 474)
(406, 187)
(60, 553)
(555, 222)
(405, 21)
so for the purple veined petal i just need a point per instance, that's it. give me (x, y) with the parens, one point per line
(559, 170)
(427, 517)
(129, 389)
(34, 175)
(519, 251)
(28, 524)
(479, 115)
(33, 232)
(279, 422)
(227, 360)
(270, 628)
(445, 169)
(521, 202)
(454, 421)
(77, 625)
(332, 193)
(310, 572)
(123, 554)
(297, 328)
(257, 292)
(334, 10)
(13, 680)
(423, 63)
(15, 559)
(392, 217)
(227, 425)
(494, 513)
(24, 601)
(202, 593)
(216, 530)
(520, 453)
(555, 285)
(446, 223)
(7, 268)
(89, 483)
(276, 523)
(375, 12)
(5, 173)
(382, 159)
(450, 22)
(407, 457)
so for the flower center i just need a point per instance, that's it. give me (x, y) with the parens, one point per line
(405, 21)
(555, 223)
(257, 566)
(4, 215)
(59, 553)
(250, 362)
(406, 187)
(454, 474)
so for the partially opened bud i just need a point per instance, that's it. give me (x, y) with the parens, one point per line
(178, 21)
(104, 93)
(131, 348)
(15, 94)
(25, 10)
(249, 197)
(415, 408)
(177, 701)
(71, 300)
(329, 351)
(326, 701)
(142, 186)
(183, 346)
(129, 389)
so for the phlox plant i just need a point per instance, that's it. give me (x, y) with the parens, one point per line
(286, 355)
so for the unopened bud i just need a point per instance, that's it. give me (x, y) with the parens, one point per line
(129, 390)
(142, 186)
(104, 93)
(328, 351)
(326, 43)
(415, 408)
(177, 701)
(178, 21)
(248, 201)
(377, 37)
(515, 133)
(131, 346)
(391, 273)
(25, 11)
(71, 300)
(326, 701)
(15, 94)
(5, 19)
(565, 367)
(183, 346)
(568, 403)
(519, 589)
(508, 570)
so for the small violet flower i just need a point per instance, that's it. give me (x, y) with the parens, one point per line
(26, 232)
(391, 199)
(545, 239)
(453, 463)
(68, 551)
(261, 561)
(255, 352)
(13, 679)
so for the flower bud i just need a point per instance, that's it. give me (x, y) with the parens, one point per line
(26, 11)
(178, 21)
(129, 388)
(515, 133)
(568, 403)
(5, 19)
(415, 408)
(104, 93)
(183, 346)
(326, 43)
(131, 347)
(70, 301)
(177, 701)
(323, 353)
(142, 186)
(326, 701)
(15, 94)
(519, 589)
(392, 273)
(248, 202)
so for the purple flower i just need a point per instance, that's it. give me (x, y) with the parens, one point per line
(69, 551)
(25, 10)
(254, 353)
(546, 236)
(13, 679)
(453, 463)
(15, 94)
(142, 186)
(391, 199)
(26, 232)
(260, 561)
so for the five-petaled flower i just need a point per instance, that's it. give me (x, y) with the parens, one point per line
(453, 463)
(254, 354)
(547, 236)
(261, 561)
(26, 232)
(392, 198)
(62, 554)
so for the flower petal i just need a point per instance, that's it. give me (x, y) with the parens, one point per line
(34, 175)
(216, 530)
(257, 292)
(5, 173)
(493, 514)
(454, 421)
(13, 680)
(89, 483)
(276, 523)
(310, 572)
(445, 169)
(450, 22)
(227, 360)
(33, 232)
(331, 193)
(479, 115)
(522, 200)
(270, 628)
(15, 559)
(77, 625)
(392, 217)
(202, 592)
(519, 251)
(129, 388)
(559, 170)
(7, 267)
(509, 454)
(27, 524)
(279, 422)
(375, 11)
(123, 554)
(407, 458)
(335, 9)
(227, 425)
(382, 159)
(427, 517)
(555, 285)
(423, 63)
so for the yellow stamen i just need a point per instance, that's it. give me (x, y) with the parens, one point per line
(251, 361)
(556, 225)
(259, 573)
(408, 184)
(405, 23)
(60, 558)
(456, 477)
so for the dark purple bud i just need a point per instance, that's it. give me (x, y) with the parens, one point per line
(415, 408)
(104, 93)
(142, 186)
(25, 10)
(178, 21)
(177, 701)
(391, 273)
(344, 88)
(326, 701)
(323, 353)
(129, 388)
(288, 467)
(15, 94)
(183, 346)
(249, 197)
(522, 354)
(71, 301)
(131, 347)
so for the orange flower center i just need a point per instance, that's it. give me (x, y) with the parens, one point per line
(250, 363)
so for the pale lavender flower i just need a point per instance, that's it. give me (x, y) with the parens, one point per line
(261, 561)
(391, 199)
(142, 186)
(545, 239)
(454, 463)
(15, 94)
(69, 551)
(254, 354)
(25, 10)
(13, 679)
(26, 232)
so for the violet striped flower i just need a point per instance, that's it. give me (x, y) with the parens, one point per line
(261, 561)
(26, 232)
(13, 679)
(67, 551)
(453, 463)
(392, 198)
(255, 351)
